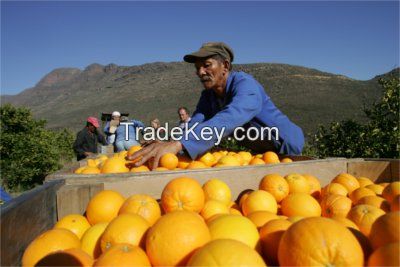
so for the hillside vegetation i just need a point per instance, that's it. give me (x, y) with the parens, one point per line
(66, 96)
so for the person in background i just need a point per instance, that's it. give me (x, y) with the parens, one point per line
(88, 138)
(125, 135)
(184, 117)
(155, 123)
(111, 127)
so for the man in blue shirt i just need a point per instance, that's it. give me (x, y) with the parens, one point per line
(230, 100)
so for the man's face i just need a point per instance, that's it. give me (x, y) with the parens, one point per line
(183, 115)
(211, 73)
(118, 118)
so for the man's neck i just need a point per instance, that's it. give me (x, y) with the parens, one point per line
(220, 90)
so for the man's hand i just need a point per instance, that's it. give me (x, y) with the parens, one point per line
(155, 151)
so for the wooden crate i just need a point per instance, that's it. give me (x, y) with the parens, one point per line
(25, 217)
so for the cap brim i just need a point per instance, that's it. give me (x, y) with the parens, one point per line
(191, 58)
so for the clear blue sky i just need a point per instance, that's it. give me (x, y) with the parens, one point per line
(358, 39)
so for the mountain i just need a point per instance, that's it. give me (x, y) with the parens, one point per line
(67, 96)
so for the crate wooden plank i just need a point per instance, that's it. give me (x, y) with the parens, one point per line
(378, 171)
(238, 179)
(74, 198)
(24, 218)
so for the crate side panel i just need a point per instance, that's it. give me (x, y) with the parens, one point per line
(25, 218)
(238, 179)
(74, 198)
(377, 171)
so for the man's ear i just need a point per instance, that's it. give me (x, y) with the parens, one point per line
(227, 65)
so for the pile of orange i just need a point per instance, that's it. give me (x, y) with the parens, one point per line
(168, 162)
(288, 220)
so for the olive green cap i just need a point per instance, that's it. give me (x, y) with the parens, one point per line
(210, 49)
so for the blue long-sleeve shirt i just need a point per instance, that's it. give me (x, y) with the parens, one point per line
(245, 104)
(120, 132)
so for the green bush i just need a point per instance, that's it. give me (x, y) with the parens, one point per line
(28, 151)
(377, 138)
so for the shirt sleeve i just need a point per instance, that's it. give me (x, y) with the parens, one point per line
(246, 103)
(199, 114)
(107, 128)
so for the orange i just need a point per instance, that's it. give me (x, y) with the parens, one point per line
(335, 206)
(297, 183)
(76, 223)
(114, 165)
(385, 230)
(90, 241)
(123, 255)
(334, 188)
(217, 155)
(212, 207)
(294, 219)
(228, 160)
(276, 185)
(259, 200)
(182, 193)
(196, 165)
(387, 255)
(270, 157)
(270, 236)
(364, 181)
(142, 168)
(132, 150)
(126, 228)
(90, 170)
(300, 204)
(364, 216)
(143, 205)
(91, 163)
(359, 193)
(183, 161)
(246, 156)
(226, 252)
(346, 222)
(319, 241)
(208, 159)
(242, 197)
(375, 201)
(104, 206)
(240, 159)
(378, 189)
(48, 242)
(395, 203)
(234, 227)
(315, 186)
(391, 190)
(68, 257)
(256, 161)
(215, 189)
(174, 238)
(80, 169)
(235, 211)
(261, 217)
(348, 181)
(286, 160)
(169, 161)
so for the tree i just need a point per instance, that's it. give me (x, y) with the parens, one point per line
(378, 138)
(28, 151)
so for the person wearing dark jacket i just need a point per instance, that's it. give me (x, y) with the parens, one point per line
(88, 138)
